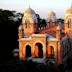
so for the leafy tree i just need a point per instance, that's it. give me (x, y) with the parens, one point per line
(9, 33)
(44, 23)
(60, 20)
(39, 21)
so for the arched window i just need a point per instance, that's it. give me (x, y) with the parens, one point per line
(38, 50)
(27, 23)
(22, 33)
(69, 23)
(50, 51)
(21, 30)
(28, 50)
(50, 22)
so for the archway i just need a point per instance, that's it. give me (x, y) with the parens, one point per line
(28, 51)
(38, 50)
(50, 52)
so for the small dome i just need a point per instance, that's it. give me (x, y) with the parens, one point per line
(29, 11)
(51, 16)
(69, 10)
(51, 13)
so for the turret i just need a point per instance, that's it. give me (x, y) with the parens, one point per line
(58, 32)
(20, 32)
(68, 19)
(29, 22)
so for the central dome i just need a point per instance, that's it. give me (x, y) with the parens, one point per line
(29, 11)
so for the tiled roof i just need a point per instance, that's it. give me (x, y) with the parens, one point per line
(51, 31)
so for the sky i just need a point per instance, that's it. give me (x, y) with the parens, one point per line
(41, 7)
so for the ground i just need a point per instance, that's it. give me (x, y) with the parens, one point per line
(25, 66)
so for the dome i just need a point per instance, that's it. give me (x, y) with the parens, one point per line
(51, 16)
(29, 11)
(69, 10)
(51, 13)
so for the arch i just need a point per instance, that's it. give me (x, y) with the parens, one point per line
(69, 23)
(68, 20)
(27, 23)
(50, 51)
(28, 51)
(38, 50)
(44, 50)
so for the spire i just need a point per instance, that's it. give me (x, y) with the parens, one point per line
(29, 5)
(71, 4)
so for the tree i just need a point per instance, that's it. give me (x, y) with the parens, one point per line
(60, 20)
(44, 23)
(9, 33)
(39, 21)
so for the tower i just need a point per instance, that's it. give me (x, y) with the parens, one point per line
(29, 22)
(21, 32)
(68, 19)
(58, 32)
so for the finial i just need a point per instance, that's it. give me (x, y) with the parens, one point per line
(29, 5)
(71, 5)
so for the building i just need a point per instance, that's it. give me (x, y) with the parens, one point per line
(53, 43)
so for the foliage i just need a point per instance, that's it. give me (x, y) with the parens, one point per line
(9, 33)
(60, 20)
(41, 22)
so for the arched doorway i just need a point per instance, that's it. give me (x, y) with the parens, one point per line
(38, 50)
(28, 51)
(50, 52)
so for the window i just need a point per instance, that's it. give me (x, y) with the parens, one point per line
(69, 23)
(27, 23)
(50, 52)
(38, 50)
(28, 51)
(22, 32)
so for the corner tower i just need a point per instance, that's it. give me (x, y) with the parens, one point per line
(68, 20)
(29, 22)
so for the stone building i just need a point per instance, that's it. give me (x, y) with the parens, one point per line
(53, 43)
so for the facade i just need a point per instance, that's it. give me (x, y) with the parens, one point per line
(53, 43)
